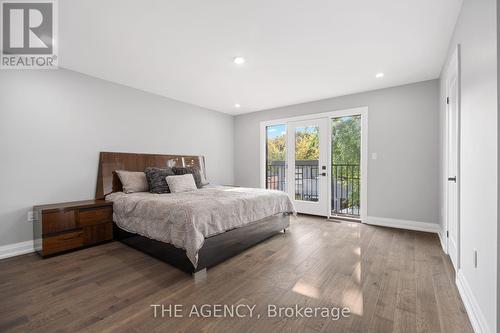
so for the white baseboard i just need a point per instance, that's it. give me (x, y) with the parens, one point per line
(442, 240)
(16, 249)
(476, 316)
(403, 224)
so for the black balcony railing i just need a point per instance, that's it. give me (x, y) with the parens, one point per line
(306, 180)
(345, 186)
(276, 175)
(345, 189)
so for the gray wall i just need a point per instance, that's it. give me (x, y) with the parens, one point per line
(402, 130)
(476, 32)
(53, 124)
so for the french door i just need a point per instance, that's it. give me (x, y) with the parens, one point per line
(308, 165)
(319, 160)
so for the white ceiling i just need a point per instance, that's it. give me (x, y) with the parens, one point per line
(296, 50)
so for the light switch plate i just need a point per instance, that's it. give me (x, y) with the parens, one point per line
(374, 156)
(30, 216)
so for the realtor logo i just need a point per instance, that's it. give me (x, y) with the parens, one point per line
(28, 34)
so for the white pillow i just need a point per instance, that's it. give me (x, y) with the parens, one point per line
(133, 181)
(181, 183)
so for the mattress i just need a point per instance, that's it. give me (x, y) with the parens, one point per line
(186, 219)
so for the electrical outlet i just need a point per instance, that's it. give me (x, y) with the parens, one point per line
(475, 258)
(31, 216)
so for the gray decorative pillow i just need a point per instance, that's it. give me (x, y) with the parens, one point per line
(181, 183)
(156, 178)
(190, 170)
(133, 181)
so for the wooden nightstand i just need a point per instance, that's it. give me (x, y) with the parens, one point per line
(68, 226)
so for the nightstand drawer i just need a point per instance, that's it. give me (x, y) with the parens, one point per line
(98, 233)
(95, 216)
(59, 221)
(62, 242)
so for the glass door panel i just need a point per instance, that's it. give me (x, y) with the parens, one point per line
(346, 165)
(307, 163)
(276, 168)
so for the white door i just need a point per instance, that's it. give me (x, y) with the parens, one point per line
(308, 165)
(452, 163)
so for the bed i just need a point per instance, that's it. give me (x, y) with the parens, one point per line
(191, 230)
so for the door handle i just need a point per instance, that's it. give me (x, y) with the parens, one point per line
(452, 179)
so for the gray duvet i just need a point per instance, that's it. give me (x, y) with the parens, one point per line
(186, 219)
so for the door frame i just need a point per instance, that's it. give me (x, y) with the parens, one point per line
(452, 69)
(363, 112)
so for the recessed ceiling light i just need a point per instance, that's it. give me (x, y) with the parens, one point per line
(379, 75)
(237, 106)
(239, 60)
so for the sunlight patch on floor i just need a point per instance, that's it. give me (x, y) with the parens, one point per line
(353, 299)
(306, 290)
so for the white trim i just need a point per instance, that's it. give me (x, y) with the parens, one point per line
(442, 240)
(262, 148)
(363, 209)
(403, 224)
(328, 114)
(16, 249)
(363, 111)
(476, 317)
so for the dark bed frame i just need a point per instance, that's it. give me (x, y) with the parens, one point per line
(215, 249)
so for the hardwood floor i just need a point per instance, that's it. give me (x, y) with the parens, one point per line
(392, 280)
